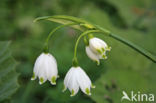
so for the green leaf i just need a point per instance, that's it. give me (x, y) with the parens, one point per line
(63, 19)
(8, 74)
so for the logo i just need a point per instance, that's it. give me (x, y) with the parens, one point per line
(138, 96)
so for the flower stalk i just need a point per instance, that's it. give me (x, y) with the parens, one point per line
(75, 61)
(90, 26)
(46, 46)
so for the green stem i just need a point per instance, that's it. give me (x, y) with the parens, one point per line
(46, 47)
(75, 61)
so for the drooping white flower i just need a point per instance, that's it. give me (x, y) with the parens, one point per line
(97, 49)
(77, 78)
(45, 68)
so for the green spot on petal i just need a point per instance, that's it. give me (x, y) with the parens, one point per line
(87, 91)
(99, 51)
(53, 80)
(103, 49)
(64, 88)
(92, 86)
(33, 76)
(72, 93)
(41, 80)
(104, 56)
(108, 48)
(97, 62)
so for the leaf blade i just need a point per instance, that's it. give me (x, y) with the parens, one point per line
(8, 74)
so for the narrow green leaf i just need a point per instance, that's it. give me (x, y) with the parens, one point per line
(61, 20)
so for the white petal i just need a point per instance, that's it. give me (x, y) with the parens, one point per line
(84, 81)
(43, 66)
(51, 68)
(36, 66)
(73, 84)
(70, 81)
(68, 76)
(103, 44)
(92, 55)
(95, 45)
(42, 73)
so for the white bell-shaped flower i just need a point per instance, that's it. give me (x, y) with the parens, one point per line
(77, 78)
(97, 49)
(45, 68)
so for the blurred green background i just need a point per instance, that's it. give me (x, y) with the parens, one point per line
(125, 69)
